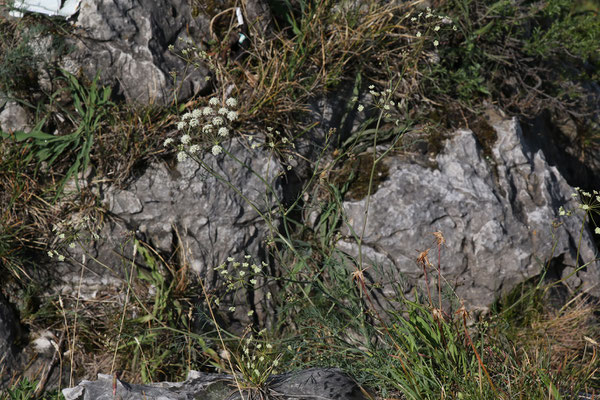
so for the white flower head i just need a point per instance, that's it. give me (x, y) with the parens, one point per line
(186, 139)
(194, 148)
(194, 122)
(232, 115)
(223, 131)
(223, 111)
(186, 116)
(216, 150)
(197, 113)
(597, 231)
(217, 121)
(168, 142)
(418, 34)
(436, 43)
(207, 111)
(231, 102)
(208, 128)
(213, 101)
(181, 125)
(360, 107)
(182, 156)
(561, 211)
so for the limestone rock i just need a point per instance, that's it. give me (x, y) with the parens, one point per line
(127, 42)
(13, 118)
(183, 209)
(213, 222)
(495, 208)
(322, 383)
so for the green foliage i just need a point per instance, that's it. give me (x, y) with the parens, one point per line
(23, 46)
(561, 29)
(513, 52)
(25, 390)
(91, 105)
(22, 391)
(17, 59)
(157, 339)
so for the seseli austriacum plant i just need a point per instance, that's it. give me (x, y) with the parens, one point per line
(212, 121)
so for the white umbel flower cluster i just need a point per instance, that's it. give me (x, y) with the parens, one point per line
(206, 126)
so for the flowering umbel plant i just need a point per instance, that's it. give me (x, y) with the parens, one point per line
(209, 124)
(589, 203)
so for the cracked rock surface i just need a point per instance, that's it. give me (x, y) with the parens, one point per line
(497, 213)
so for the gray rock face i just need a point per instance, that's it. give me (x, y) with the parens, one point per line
(325, 384)
(496, 214)
(212, 220)
(184, 210)
(127, 42)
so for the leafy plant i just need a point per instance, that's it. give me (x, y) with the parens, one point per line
(17, 58)
(26, 390)
(91, 104)
(563, 28)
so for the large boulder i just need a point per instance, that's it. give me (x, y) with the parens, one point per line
(181, 209)
(497, 205)
(127, 42)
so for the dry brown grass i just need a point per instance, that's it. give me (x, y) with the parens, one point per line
(568, 336)
(282, 71)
